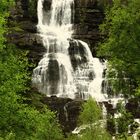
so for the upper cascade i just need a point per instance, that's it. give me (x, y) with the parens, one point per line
(68, 68)
(58, 21)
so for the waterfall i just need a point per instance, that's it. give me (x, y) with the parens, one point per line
(67, 68)
(104, 112)
(66, 112)
(53, 75)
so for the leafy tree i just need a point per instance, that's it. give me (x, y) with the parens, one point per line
(121, 48)
(121, 45)
(90, 117)
(123, 121)
(19, 121)
(91, 112)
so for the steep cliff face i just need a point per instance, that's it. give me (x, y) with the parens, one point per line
(23, 31)
(88, 16)
(23, 20)
(67, 111)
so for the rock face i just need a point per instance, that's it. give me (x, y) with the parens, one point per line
(89, 14)
(133, 106)
(23, 21)
(67, 111)
(22, 29)
(88, 17)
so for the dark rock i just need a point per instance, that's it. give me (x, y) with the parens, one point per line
(30, 42)
(67, 111)
(109, 107)
(133, 106)
(88, 16)
(28, 26)
(53, 76)
(47, 5)
(20, 11)
(77, 52)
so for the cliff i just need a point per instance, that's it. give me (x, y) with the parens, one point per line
(23, 20)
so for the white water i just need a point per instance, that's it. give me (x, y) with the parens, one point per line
(67, 70)
(55, 73)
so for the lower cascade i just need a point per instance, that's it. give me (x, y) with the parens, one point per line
(68, 68)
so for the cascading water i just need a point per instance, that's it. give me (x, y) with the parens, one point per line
(53, 75)
(67, 69)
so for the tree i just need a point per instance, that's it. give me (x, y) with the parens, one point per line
(90, 117)
(91, 112)
(123, 121)
(20, 121)
(17, 119)
(121, 45)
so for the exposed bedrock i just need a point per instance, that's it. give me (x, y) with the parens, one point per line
(67, 111)
(23, 20)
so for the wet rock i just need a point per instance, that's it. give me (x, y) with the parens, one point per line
(67, 111)
(47, 5)
(29, 41)
(88, 17)
(133, 106)
(77, 52)
(109, 107)
(28, 26)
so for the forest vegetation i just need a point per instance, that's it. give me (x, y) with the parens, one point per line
(19, 121)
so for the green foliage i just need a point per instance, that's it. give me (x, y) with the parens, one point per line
(4, 13)
(5, 5)
(24, 123)
(19, 121)
(91, 112)
(111, 124)
(121, 46)
(118, 125)
(124, 120)
(89, 117)
(32, 7)
(96, 133)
